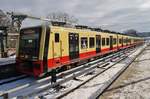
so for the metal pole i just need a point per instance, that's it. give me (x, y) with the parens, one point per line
(6, 35)
(2, 45)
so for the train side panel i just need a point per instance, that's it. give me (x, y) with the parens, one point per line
(61, 46)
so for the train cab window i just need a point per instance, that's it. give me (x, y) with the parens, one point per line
(103, 41)
(92, 42)
(84, 42)
(56, 37)
(107, 41)
(30, 43)
(114, 41)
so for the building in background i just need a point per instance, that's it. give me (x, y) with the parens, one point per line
(8, 36)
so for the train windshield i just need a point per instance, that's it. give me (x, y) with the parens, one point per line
(29, 43)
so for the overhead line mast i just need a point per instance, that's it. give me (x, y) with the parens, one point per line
(19, 17)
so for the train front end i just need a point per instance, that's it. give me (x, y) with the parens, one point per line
(27, 59)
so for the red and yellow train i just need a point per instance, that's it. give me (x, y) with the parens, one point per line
(44, 48)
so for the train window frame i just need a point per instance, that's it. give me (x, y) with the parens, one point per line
(57, 37)
(84, 45)
(107, 41)
(103, 42)
(91, 42)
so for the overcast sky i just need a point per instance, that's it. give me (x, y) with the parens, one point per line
(118, 15)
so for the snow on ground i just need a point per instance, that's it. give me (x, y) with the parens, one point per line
(134, 83)
(91, 87)
(88, 89)
(32, 84)
(9, 60)
(15, 84)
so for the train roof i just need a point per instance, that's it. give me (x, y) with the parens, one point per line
(80, 27)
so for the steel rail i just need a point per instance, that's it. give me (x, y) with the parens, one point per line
(99, 92)
(95, 95)
(12, 79)
(64, 73)
(70, 77)
(105, 69)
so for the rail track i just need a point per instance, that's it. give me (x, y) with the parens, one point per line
(100, 63)
(113, 79)
(7, 68)
(103, 69)
(10, 80)
(68, 75)
(106, 84)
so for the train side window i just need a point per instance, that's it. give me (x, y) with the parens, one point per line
(56, 37)
(124, 40)
(129, 40)
(114, 41)
(92, 42)
(103, 41)
(107, 41)
(84, 42)
(120, 41)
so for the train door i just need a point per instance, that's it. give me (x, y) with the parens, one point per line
(57, 48)
(127, 41)
(98, 43)
(117, 42)
(122, 42)
(73, 45)
(111, 42)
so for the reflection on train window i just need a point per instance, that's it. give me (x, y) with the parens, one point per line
(103, 41)
(92, 43)
(84, 43)
(56, 37)
(107, 41)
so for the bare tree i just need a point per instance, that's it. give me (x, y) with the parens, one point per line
(4, 19)
(62, 17)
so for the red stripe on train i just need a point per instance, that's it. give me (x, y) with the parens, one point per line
(58, 62)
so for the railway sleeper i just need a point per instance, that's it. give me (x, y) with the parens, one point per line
(103, 66)
(92, 72)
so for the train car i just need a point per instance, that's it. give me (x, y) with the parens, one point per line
(44, 48)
